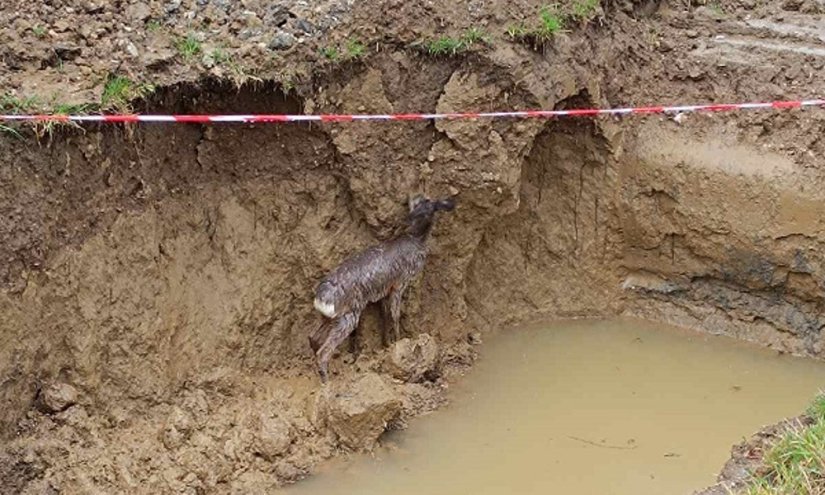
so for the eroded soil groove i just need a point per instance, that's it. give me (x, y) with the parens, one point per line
(156, 281)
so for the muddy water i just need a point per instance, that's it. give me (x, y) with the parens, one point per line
(617, 407)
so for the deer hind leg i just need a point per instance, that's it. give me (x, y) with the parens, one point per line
(344, 326)
(316, 338)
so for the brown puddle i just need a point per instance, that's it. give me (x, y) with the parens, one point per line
(586, 407)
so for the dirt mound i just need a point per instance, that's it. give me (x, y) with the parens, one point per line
(164, 273)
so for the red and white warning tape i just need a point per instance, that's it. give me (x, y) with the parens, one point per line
(264, 118)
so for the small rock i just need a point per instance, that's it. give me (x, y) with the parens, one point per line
(692, 33)
(61, 26)
(73, 416)
(665, 46)
(358, 411)
(172, 6)
(474, 338)
(288, 471)
(304, 26)
(180, 420)
(250, 34)
(696, 73)
(252, 19)
(132, 50)
(278, 15)
(461, 354)
(95, 7)
(138, 12)
(414, 360)
(171, 437)
(56, 397)
(208, 60)
(67, 51)
(281, 41)
(273, 438)
(158, 59)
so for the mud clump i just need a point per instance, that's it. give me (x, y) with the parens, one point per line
(358, 411)
(56, 397)
(414, 360)
(273, 437)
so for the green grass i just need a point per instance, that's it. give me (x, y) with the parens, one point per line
(16, 105)
(10, 130)
(584, 10)
(237, 72)
(39, 31)
(355, 49)
(73, 108)
(352, 50)
(716, 9)
(330, 53)
(444, 45)
(153, 26)
(450, 46)
(795, 465)
(221, 57)
(475, 35)
(188, 47)
(120, 90)
(13, 104)
(554, 19)
(518, 31)
(551, 21)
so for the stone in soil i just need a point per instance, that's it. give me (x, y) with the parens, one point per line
(358, 410)
(414, 360)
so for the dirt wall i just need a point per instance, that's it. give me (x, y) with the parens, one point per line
(164, 273)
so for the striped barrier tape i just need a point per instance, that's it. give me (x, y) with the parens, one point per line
(269, 118)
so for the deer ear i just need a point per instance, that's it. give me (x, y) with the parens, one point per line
(415, 201)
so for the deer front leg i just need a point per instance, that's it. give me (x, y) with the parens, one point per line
(395, 299)
(386, 320)
(344, 326)
(353, 343)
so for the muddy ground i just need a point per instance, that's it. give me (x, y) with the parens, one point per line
(155, 291)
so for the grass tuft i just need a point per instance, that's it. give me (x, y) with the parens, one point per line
(553, 20)
(584, 11)
(153, 26)
(444, 46)
(796, 463)
(518, 31)
(330, 53)
(10, 130)
(189, 47)
(475, 35)
(451, 46)
(73, 108)
(120, 90)
(13, 104)
(716, 9)
(355, 49)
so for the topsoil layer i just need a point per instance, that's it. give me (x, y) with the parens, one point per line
(155, 290)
